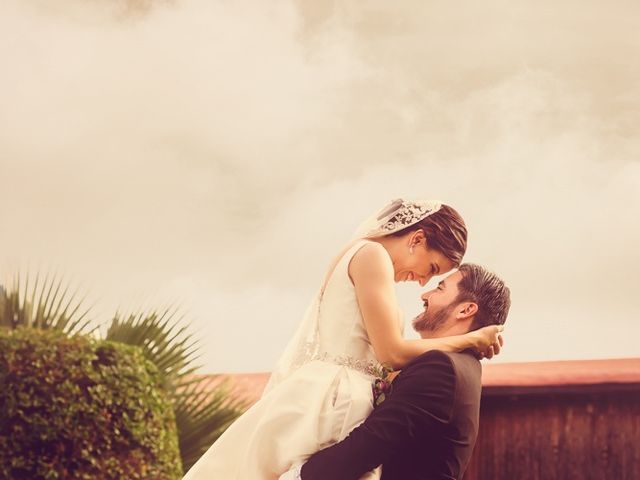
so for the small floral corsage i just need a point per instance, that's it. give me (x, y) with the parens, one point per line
(382, 386)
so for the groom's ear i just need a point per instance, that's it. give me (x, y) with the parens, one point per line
(466, 310)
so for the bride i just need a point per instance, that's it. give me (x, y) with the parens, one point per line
(350, 334)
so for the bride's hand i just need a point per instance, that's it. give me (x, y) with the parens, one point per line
(488, 340)
(292, 474)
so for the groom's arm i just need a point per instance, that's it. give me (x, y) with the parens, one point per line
(422, 400)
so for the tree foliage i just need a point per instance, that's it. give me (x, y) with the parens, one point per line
(201, 413)
(75, 407)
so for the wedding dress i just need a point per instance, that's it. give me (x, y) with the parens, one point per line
(321, 390)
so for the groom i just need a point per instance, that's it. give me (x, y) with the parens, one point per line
(427, 425)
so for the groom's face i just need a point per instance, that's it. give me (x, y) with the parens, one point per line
(439, 305)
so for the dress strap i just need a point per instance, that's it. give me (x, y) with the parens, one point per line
(346, 252)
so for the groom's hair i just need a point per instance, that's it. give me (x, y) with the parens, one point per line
(446, 232)
(488, 291)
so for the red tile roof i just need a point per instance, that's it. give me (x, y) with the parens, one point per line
(573, 372)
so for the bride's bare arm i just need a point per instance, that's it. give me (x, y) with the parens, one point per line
(372, 274)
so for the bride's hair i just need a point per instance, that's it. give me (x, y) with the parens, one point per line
(445, 231)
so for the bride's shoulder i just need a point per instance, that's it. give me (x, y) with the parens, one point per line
(371, 248)
(371, 255)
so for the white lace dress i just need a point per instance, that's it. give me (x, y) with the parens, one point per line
(317, 403)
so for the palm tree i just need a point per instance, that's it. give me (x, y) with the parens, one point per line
(202, 414)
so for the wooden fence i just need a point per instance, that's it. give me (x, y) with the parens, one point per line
(559, 421)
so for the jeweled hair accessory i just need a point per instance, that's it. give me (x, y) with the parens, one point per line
(396, 216)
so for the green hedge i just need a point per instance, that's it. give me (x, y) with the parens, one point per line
(77, 408)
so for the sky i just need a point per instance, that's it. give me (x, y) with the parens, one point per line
(215, 156)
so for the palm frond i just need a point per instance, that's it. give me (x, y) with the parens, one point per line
(204, 410)
(45, 304)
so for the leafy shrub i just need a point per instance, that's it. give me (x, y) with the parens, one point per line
(201, 413)
(77, 408)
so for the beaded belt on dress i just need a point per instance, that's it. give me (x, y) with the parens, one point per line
(368, 367)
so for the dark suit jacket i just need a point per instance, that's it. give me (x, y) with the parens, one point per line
(425, 429)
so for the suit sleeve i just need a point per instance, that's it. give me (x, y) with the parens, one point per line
(421, 401)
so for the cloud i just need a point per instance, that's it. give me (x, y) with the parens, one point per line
(219, 154)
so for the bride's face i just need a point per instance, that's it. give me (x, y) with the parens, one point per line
(419, 263)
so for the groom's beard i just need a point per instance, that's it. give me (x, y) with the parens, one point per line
(429, 321)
